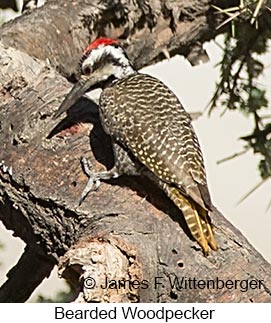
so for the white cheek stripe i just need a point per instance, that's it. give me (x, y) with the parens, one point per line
(97, 53)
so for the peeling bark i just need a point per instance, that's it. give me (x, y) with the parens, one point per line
(127, 230)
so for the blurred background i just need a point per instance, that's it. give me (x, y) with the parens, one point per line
(219, 137)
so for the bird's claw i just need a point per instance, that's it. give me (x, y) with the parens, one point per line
(93, 179)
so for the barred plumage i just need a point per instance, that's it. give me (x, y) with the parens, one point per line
(151, 132)
(142, 114)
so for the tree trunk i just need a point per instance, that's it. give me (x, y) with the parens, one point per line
(128, 230)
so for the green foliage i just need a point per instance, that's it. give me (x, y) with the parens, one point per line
(240, 69)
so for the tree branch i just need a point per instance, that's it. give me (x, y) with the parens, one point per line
(128, 219)
(33, 268)
(59, 32)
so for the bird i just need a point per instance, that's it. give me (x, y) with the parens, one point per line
(151, 132)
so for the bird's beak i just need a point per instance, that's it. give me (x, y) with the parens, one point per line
(79, 89)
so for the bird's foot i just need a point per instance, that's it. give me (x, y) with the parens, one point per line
(94, 179)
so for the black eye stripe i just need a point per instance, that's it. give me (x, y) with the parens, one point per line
(105, 58)
(86, 54)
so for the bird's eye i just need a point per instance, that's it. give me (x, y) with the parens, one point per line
(86, 70)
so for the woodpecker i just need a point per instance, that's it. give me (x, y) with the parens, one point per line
(151, 133)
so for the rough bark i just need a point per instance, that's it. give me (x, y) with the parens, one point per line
(151, 30)
(127, 230)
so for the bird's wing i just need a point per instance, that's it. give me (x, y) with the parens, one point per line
(153, 124)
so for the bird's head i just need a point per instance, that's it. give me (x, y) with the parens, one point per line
(103, 61)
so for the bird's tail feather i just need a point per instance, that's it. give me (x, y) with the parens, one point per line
(196, 218)
(207, 228)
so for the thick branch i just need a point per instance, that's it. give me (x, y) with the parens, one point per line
(129, 217)
(33, 268)
(152, 30)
